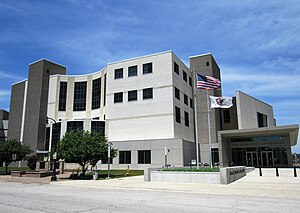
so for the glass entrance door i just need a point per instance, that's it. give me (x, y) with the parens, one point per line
(267, 158)
(251, 158)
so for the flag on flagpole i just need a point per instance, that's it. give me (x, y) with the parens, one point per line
(220, 102)
(207, 82)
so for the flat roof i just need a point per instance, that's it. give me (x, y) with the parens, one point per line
(292, 130)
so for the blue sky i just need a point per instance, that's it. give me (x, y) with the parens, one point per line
(256, 43)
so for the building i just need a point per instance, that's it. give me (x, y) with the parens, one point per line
(4, 115)
(143, 105)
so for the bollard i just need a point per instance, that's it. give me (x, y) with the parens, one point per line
(260, 172)
(277, 173)
(295, 172)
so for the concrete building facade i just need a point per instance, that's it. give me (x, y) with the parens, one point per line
(143, 105)
(4, 116)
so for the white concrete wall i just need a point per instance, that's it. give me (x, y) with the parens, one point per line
(141, 119)
(180, 130)
(247, 108)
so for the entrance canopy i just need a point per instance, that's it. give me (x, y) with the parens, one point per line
(291, 130)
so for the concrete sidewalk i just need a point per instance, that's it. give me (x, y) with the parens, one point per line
(285, 186)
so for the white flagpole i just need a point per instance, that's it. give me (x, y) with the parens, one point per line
(196, 119)
(209, 133)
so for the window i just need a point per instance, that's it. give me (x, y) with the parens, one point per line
(96, 93)
(56, 127)
(184, 76)
(191, 103)
(118, 97)
(215, 155)
(147, 68)
(186, 99)
(98, 126)
(62, 96)
(226, 116)
(262, 120)
(132, 71)
(104, 90)
(177, 114)
(73, 125)
(119, 73)
(79, 103)
(148, 93)
(186, 119)
(144, 157)
(124, 157)
(177, 93)
(132, 95)
(207, 63)
(190, 81)
(176, 68)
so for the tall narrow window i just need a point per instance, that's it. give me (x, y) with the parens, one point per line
(144, 157)
(176, 68)
(96, 93)
(186, 119)
(177, 114)
(132, 71)
(104, 92)
(147, 68)
(262, 120)
(226, 116)
(118, 97)
(119, 73)
(186, 100)
(62, 96)
(184, 76)
(190, 81)
(191, 103)
(177, 93)
(148, 93)
(79, 103)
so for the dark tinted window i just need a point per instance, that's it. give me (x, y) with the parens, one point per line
(79, 103)
(148, 93)
(73, 125)
(144, 157)
(98, 126)
(176, 68)
(226, 116)
(177, 114)
(147, 68)
(124, 157)
(119, 73)
(132, 71)
(262, 120)
(177, 93)
(96, 93)
(191, 103)
(132, 95)
(118, 97)
(186, 99)
(62, 96)
(184, 76)
(190, 81)
(186, 118)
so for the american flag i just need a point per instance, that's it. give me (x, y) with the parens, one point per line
(207, 82)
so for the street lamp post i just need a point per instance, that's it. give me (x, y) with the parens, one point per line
(53, 177)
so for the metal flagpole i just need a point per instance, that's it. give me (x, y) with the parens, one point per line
(209, 133)
(196, 118)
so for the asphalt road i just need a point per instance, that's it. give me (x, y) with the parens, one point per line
(19, 197)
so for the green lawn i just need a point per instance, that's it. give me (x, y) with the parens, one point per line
(192, 170)
(102, 174)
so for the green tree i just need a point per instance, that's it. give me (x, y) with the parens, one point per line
(84, 147)
(10, 147)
